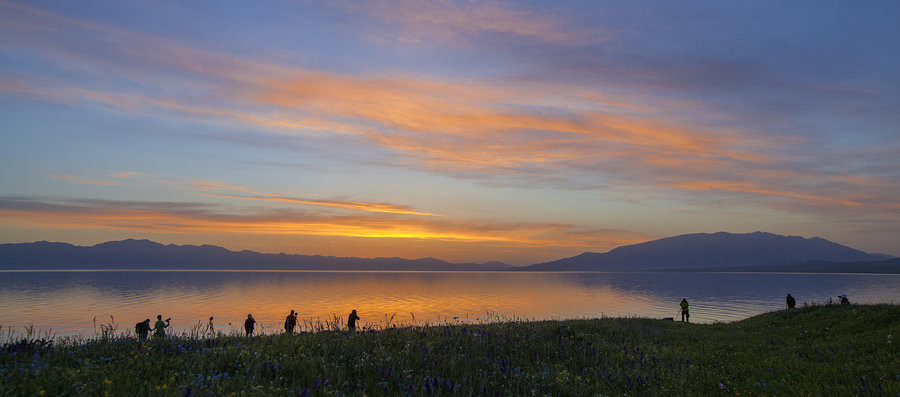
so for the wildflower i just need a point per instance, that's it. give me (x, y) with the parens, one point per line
(721, 386)
(107, 381)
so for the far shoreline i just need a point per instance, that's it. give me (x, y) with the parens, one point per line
(506, 271)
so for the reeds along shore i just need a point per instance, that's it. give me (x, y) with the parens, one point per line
(112, 329)
(816, 350)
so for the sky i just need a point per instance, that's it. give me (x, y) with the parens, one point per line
(470, 131)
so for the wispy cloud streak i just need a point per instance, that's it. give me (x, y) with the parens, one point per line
(193, 218)
(460, 22)
(85, 181)
(218, 189)
(353, 205)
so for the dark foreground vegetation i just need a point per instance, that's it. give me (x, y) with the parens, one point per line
(816, 350)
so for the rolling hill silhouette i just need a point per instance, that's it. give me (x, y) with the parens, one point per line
(718, 251)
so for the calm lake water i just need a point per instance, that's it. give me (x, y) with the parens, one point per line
(66, 303)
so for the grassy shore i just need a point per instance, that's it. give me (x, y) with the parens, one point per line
(815, 350)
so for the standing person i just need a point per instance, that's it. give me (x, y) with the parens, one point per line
(791, 302)
(249, 324)
(209, 328)
(685, 314)
(159, 329)
(290, 322)
(351, 320)
(142, 329)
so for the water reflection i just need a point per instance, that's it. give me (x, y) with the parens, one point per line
(67, 302)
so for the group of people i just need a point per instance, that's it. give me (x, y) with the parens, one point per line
(791, 302)
(142, 329)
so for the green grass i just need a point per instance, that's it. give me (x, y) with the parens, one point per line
(817, 350)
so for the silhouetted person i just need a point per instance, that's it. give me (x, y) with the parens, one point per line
(142, 329)
(685, 314)
(791, 302)
(209, 328)
(351, 320)
(290, 322)
(159, 329)
(249, 324)
(844, 300)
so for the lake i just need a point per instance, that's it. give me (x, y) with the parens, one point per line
(66, 303)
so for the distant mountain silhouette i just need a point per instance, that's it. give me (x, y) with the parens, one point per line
(711, 251)
(146, 254)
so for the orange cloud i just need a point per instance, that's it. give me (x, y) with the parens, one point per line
(129, 175)
(489, 127)
(468, 124)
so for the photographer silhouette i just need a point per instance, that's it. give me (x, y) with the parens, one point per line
(159, 329)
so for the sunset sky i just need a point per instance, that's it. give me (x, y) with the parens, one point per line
(463, 130)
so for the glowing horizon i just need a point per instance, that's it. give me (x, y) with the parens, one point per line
(467, 131)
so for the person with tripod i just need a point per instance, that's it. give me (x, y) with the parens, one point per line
(685, 313)
(159, 329)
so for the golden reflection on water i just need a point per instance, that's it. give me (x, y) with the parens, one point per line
(66, 303)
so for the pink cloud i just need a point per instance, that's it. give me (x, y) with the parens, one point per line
(448, 21)
(86, 181)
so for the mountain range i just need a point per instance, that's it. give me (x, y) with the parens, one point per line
(721, 251)
(146, 254)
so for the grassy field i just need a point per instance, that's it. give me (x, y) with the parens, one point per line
(817, 350)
